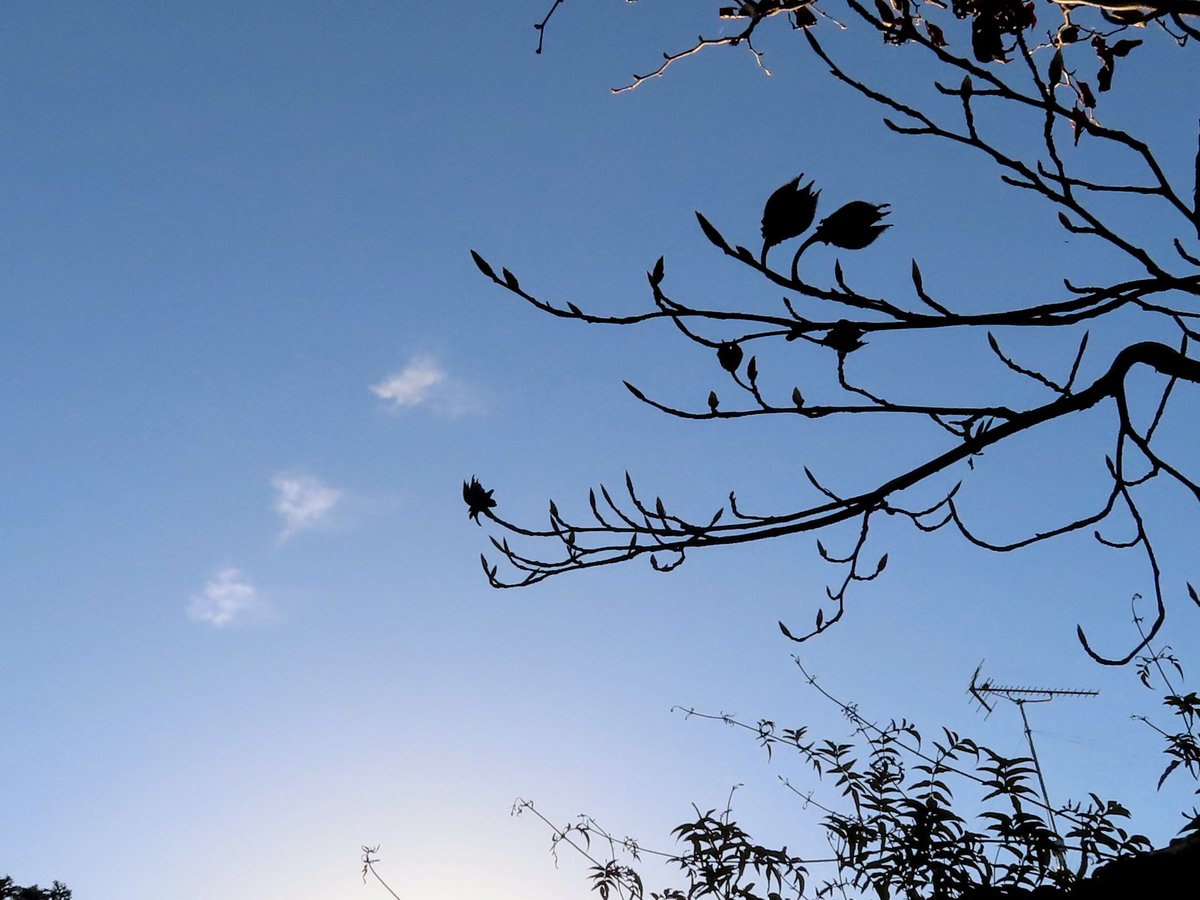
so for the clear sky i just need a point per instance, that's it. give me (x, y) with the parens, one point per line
(246, 364)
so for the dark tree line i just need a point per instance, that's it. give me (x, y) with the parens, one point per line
(9, 890)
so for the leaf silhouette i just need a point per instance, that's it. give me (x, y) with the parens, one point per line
(483, 266)
(711, 232)
(1122, 47)
(656, 276)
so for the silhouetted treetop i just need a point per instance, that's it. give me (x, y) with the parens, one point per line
(12, 891)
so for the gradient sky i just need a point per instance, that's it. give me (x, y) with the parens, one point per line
(246, 363)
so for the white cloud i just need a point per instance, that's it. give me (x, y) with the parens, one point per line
(414, 385)
(303, 502)
(228, 598)
(423, 382)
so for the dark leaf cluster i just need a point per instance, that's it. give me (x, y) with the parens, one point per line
(992, 21)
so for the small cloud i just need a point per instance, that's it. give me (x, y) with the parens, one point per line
(413, 385)
(303, 502)
(423, 382)
(228, 598)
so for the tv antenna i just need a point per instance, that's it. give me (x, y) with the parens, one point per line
(985, 691)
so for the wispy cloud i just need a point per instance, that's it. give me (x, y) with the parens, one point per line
(413, 385)
(228, 598)
(423, 382)
(302, 501)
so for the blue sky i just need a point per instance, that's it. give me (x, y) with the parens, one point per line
(246, 363)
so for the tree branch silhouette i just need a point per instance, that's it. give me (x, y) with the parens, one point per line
(1046, 87)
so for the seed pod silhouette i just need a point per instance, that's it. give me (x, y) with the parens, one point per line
(788, 213)
(478, 499)
(729, 355)
(844, 337)
(854, 226)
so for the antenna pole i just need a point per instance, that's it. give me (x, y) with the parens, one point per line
(981, 691)
(1037, 766)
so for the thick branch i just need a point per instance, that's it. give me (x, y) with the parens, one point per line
(677, 536)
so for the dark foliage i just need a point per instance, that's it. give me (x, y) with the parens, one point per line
(910, 816)
(11, 891)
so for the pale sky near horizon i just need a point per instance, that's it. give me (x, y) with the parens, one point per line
(246, 363)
